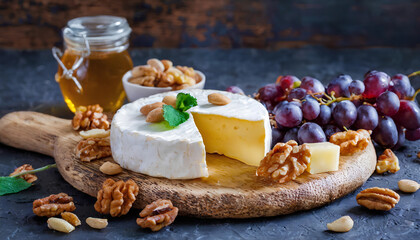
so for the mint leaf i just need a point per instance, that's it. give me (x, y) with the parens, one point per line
(185, 101)
(173, 116)
(12, 185)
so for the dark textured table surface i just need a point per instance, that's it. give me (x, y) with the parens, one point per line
(27, 83)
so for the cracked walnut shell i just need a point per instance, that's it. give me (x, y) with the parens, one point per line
(90, 117)
(351, 141)
(387, 162)
(375, 198)
(30, 178)
(285, 162)
(157, 215)
(93, 148)
(53, 205)
(116, 198)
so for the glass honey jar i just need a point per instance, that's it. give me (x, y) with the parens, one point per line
(94, 61)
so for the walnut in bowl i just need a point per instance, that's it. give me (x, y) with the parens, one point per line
(160, 76)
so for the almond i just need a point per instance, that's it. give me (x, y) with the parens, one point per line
(408, 186)
(145, 110)
(95, 133)
(170, 100)
(218, 99)
(156, 63)
(110, 168)
(154, 116)
(59, 224)
(97, 223)
(343, 224)
(167, 63)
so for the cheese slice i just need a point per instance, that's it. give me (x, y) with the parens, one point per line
(240, 130)
(325, 157)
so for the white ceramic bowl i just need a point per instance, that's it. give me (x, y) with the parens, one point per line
(136, 91)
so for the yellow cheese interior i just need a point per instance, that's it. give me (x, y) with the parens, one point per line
(235, 138)
(325, 157)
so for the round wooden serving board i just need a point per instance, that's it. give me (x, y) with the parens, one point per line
(231, 191)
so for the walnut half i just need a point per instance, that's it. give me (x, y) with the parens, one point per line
(93, 148)
(285, 162)
(116, 198)
(30, 178)
(157, 215)
(351, 141)
(53, 205)
(90, 117)
(387, 162)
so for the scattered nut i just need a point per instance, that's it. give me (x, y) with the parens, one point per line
(60, 225)
(95, 133)
(97, 223)
(158, 65)
(351, 141)
(375, 198)
(93, 148)
(285, 162)
(53, 205)
(90, 117)
(387, 162)
(343, 224)
(154, 116)
(167, 64)
(163, 74)
(110, 168)
(157, 215)
(30, 178)
(71, 218)
(146, 109)
(170, 100)
(116, 198)
(418, 155)
(408, 186)
(218, 99)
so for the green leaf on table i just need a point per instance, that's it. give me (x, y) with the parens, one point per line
(173, 116)
(12, 185)
(185, 101)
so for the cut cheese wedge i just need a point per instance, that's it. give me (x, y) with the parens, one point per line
(240, 130)
(325, 157)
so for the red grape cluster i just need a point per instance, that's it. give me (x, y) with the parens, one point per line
(307, 112)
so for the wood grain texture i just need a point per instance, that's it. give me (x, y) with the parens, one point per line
(32, 24)
(241, 196)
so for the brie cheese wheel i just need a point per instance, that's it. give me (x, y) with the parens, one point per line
(239, 130)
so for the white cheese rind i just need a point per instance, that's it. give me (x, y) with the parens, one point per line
(175, 153)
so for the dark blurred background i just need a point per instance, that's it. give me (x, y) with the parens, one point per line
(265, 24)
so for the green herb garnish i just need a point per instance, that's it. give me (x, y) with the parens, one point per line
(15, 184)
(185, 101)
(178, 115)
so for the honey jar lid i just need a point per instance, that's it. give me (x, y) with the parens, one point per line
(97, 30)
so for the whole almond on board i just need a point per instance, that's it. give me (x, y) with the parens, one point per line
(170, 100)
(97, 223)
(156, 63)
(408, 186)
(95, 133)
(71, 218)
(343, 224)
(60, 225)
(218, 99)
(110, 168)
(154, 116)
(375, 198)
(146, 109)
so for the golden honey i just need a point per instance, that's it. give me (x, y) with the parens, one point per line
(99, 76)
(94, 61)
